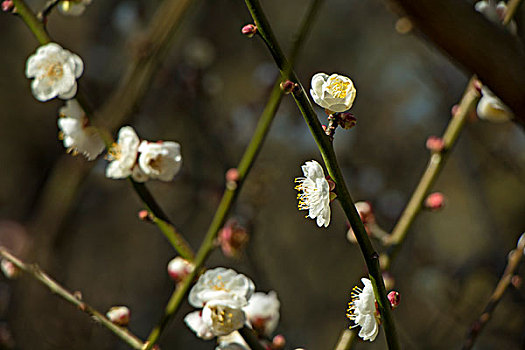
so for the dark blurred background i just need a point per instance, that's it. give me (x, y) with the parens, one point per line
(208, 96)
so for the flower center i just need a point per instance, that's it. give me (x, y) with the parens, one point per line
(155, 163)
(337, 87)
(55, 71)
(219, 285)
(114, 152)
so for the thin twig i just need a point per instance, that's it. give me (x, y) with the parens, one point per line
(54, 287)
(48, 7)
(328, 154)
(230, 194)
(514, 259)
(29, 18)
(250, 337)
(346, 339)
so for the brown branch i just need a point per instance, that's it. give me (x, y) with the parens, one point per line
(513, 263)
(481, 47)
(35, 272)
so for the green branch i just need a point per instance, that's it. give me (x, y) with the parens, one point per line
(328, 154)
(28, 16)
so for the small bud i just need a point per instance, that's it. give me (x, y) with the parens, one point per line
(454, 110)
(119, 315)
(232, 238)
(249, 30)
(179, 268)
(288, 86)
(331, 183)
(435, 144)
(333, 196)
(394, 298)
(347, 120)
(232, 175)
(477, 85)
(144, 216)
(278, 342)
(7, 5)
(9, 269)
(77, 294)
(435, 201)
(516, 281)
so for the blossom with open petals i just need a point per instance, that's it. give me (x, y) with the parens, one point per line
(223, 316)
(55, 71)
(335, 93)
(363, 312)
(491, 108)
(194, 321)
(263, 312)
(73, 7)
(315, 193)
(160, 160)
(76, 135)
(123, 156)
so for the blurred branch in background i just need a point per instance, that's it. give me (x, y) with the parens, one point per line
(514, 258)
(481, 47)
(72, 298)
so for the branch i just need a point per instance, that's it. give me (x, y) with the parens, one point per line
(513, 263)
(35, 272)
(328, 154)
(480, 46)
(230, 194)
(36, 27)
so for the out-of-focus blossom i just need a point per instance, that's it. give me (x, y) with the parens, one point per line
(232, 341)
(435, 201)
(364, 208)
(178, 268)
(160, 160)
(262, 312)
(194, 321)
(363, 312)
(232, 238)
(119, 315)
(73, 7)
(314, 193)
(55, 71)
(335, 93)
(76, 135)
(491, 108)
(495, 13)
(9, 269)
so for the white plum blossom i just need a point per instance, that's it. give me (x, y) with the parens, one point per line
(123, 156)
(119, 315)
(232, 341)
(495, 13)
(160, 160)
(315, 193)
(194, 321)
(262, 312)
(222, 293)
(76, 135)
(73, 7)
(55, 71)
(178, 268)
(363, 312)
(335, 93)
(491, 108)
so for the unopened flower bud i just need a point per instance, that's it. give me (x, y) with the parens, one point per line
(232, 238)
(435, 201)
(516, 281)
(7, 5)
(119, 315)
(232, 175)
(278, 342)
(288, 86)
(9, 269)
(347, 120)
(394, 298)
(454, 110)
(249, 30)
(179, 268)
(144, 216)
(435, 144)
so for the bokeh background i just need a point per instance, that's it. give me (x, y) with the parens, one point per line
(208, 95)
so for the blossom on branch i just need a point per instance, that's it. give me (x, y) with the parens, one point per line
(491, 108)
(73, 7)
(123, 156)
(160, 160)
(363, 312)
(315, 193)
(76, 135)
(336, 93)
(232, 341)
(263, 312)
(55, 71)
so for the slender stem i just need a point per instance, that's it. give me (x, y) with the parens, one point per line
(48, 7)
(250, 338)
(328, 154)
(513, 263)
(57, 289)
(346, 339)
(230, 194)
(36, 27)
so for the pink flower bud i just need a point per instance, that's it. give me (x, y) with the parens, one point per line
(232, 238)
(516, 281)
(454, 110)
(9, 269)
(179, 268)
(249, 30)
(7, 5)
(347, 120)
(119, 315)
(288, 86)
(278, 342)
(394, 298)
(144, 216)
(435, 201)
(232, 175)
(435, 144)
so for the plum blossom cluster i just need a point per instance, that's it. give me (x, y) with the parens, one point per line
(362, 311)
(227, 303)
(142, 160)
(314, 193)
